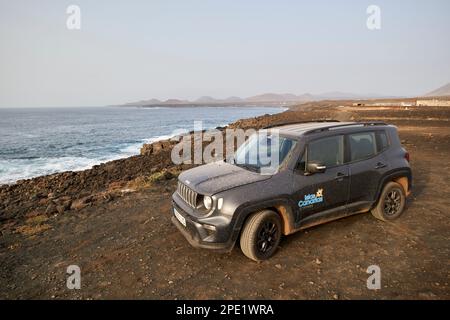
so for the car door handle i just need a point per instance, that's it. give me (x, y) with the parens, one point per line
(340, 176)
(380, 165)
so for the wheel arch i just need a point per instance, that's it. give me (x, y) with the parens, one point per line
(282, 207)
(403, 181)
(403, 177)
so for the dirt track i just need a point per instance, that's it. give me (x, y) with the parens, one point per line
(127, 248)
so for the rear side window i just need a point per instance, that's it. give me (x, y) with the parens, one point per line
(382, 141)
(362, 145)
(329, 151)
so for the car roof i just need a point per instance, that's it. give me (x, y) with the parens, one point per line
(299, 129)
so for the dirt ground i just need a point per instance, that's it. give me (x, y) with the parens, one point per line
(128, 248)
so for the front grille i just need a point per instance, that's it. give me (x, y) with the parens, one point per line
(187, 194)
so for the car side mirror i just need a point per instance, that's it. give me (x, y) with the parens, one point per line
(315, 167)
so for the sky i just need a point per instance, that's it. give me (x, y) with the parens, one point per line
(132, 50)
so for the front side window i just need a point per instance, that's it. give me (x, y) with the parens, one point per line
(328, 151)
(362, 145)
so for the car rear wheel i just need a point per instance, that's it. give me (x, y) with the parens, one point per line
(391, 202)
(261, 235)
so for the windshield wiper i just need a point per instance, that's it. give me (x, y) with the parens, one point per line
(250, 167)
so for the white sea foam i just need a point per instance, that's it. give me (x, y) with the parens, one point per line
(134, 149)
(16, 169)
(130, 150)
(160, 138)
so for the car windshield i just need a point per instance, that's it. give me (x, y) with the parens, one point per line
(263, 152)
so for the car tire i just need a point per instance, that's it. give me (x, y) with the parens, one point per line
(261, 235)
(391, 202)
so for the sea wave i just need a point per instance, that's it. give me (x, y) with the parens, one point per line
(12, 170)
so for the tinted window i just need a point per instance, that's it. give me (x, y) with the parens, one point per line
(382, 141)
(329, 151)
(362, 145)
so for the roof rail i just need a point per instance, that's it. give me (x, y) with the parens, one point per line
(298, 122)
(354, 124)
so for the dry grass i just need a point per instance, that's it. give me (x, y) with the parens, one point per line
(31, 230)
(33, 226)
(144, 182)
(36, 220)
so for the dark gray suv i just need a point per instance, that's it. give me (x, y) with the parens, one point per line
(326, 171)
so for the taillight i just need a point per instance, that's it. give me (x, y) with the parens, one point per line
(407, 156)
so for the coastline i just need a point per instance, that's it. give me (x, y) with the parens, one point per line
(147, 141)
(83, 153)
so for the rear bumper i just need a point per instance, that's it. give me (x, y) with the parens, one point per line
(204, 235)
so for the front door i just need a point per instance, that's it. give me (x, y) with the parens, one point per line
(314, 193)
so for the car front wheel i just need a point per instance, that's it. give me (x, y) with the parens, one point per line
(261, 235)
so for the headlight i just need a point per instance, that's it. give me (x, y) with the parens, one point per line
(207, 202)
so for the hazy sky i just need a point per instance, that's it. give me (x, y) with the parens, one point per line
(133, 50)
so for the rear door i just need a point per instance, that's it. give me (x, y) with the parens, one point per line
(321, 191)
(367, 164)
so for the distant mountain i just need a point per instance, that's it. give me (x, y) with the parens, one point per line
(262, 98)
(233, 99)
(207, 99)
(274, 97)
(288, 97)
(442, 91)
(337, 95)
(144, 102)
(306, 97)
(176, 101)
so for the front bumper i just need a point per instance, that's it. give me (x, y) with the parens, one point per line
(213, 233)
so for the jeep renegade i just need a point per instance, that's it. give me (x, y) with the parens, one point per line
(327, 170)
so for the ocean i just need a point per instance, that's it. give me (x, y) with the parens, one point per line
(41, 141)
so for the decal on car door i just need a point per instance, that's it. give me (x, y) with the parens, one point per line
(310, 199)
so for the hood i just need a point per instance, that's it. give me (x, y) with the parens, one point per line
(218, 176)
